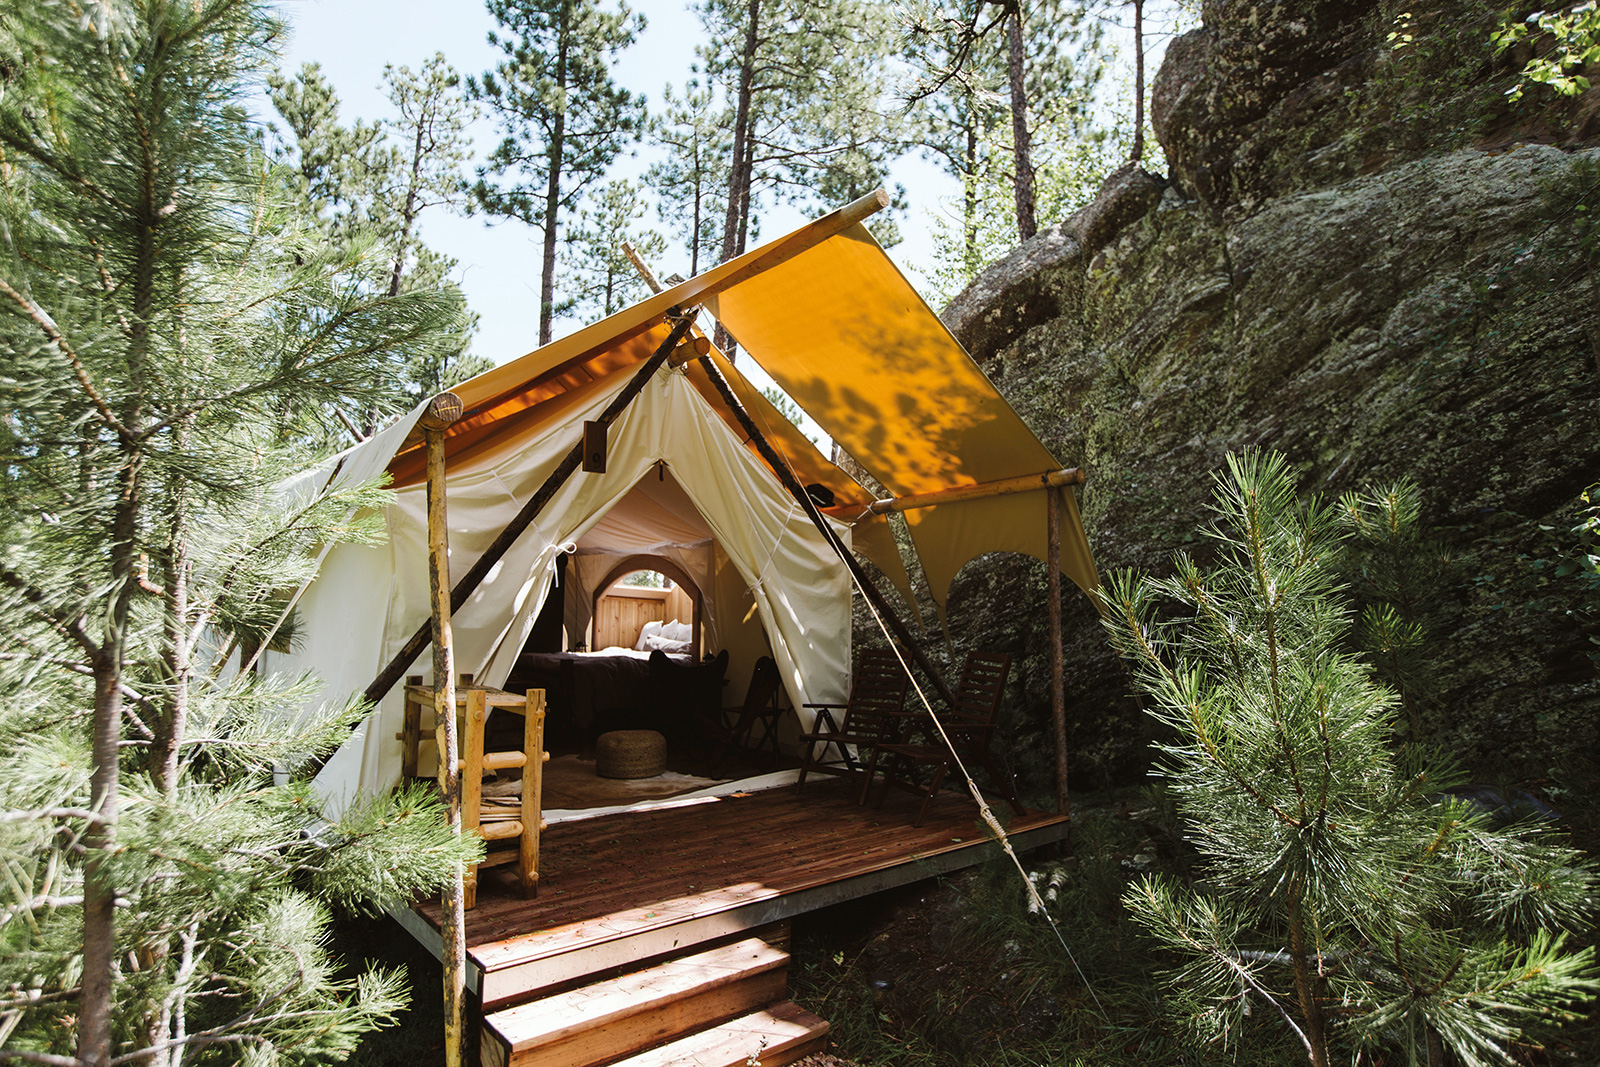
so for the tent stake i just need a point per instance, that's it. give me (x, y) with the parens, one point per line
(1058, 685)
(475, 575)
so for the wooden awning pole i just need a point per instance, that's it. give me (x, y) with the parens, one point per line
(1026, 484)
(453, 917)
(1058, 686)
(498, 547)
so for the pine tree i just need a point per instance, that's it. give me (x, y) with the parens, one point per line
(161, 301)
(980, 226)
(689, 182)
(332, 163)
(980, 62)
(978, 68)
(564, 120)
(428, 142)
(372, 182)
(1335, 864)
(808, 90)
(606, 280)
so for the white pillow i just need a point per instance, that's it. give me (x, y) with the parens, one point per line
(665, 644)
(650, 629)
(678, 631)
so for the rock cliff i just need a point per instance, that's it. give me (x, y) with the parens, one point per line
(1361, 258)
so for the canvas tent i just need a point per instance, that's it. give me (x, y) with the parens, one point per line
(827, 314)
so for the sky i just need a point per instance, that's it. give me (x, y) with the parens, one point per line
(499, 262)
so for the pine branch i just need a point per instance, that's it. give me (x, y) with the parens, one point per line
(49, 1058)
(47, 325)
(69, 625)
(53, 813)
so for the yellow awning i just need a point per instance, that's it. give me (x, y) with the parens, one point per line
(845, 335)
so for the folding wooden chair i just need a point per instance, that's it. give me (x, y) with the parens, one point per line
(760, 710)
(870, 717)
(969, 725)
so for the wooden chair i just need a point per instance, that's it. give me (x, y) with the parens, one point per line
(969, 725)
(760, 709)
(871, 717)
(498, 825)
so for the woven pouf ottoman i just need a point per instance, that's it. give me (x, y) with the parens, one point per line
(630, 754)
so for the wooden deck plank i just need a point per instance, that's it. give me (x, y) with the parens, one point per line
(746, 859)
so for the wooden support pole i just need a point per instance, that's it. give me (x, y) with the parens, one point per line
(532, 791)
(649, 276)
(1058, 686)
(444, 709)
(1025, 484)
(501, 544)
(692, 349)
(441, 413)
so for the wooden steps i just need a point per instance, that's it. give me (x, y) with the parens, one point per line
(714, 1008)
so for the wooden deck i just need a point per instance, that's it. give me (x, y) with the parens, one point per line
(620, 889)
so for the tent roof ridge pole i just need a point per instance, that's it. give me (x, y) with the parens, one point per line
(470, 581)
(792, 484)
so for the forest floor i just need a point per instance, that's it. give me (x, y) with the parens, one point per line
(957, 972)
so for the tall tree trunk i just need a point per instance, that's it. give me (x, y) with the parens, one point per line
(694, 234)
(737, 219)
(552, 193)
(408, 213)
(100, 840)
(1022, 144)
(1138, 82)
(748, 170)
(738, 177)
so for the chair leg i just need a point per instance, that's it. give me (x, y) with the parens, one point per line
(866, 779)
(1008, 787)
(807, 754)
(933, 791)
(890, 772)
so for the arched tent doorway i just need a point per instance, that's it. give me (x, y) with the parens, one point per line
(622, 611)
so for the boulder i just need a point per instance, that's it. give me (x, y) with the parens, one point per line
(1433, 320)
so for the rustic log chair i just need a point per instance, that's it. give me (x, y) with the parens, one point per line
(498, 826)
(969, 724)
(871, 717)
(760, 709)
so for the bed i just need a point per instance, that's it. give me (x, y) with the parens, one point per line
(583, 687)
